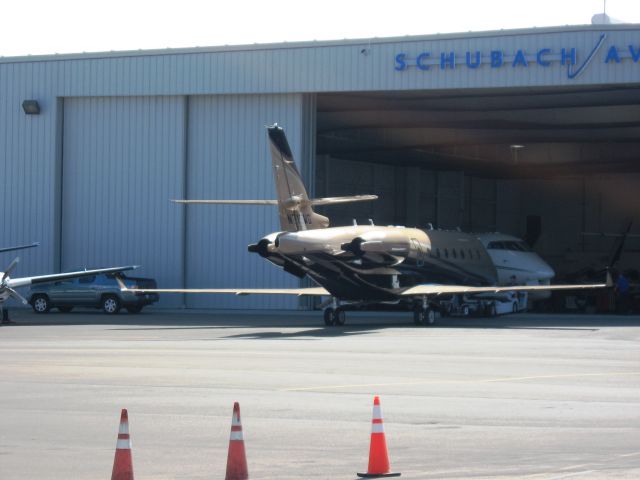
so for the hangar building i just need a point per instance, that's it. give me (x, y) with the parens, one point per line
(515, 131)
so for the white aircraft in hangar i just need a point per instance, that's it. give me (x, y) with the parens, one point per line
(8, 285)
(369, 266)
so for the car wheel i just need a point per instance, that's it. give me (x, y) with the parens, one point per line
(41, 304)
(110, 305)
(134, 309)
(65, 309)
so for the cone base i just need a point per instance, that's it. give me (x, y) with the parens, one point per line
(378, 475)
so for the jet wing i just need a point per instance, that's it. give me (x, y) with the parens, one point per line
(314, 291)
(23, 281)
(462, 289)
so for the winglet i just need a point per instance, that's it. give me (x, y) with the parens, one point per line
(609, 283)
(123, 287)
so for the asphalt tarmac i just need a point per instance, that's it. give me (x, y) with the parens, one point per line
(520, 396)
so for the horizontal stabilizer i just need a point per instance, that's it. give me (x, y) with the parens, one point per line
(313, 202)
(228, 202)
(334, 200)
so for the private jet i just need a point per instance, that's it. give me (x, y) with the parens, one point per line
(364, 266)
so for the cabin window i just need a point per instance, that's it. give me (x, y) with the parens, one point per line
(470, 254)
(438, 252)
(453, 252)
(462, 254)
(478, 254)
(446, 253)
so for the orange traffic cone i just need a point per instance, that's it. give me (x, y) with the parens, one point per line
(236, 458)
(122, 464)
(378, 456)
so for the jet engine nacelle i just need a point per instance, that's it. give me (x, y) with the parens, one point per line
(266, 246)
(394, 250)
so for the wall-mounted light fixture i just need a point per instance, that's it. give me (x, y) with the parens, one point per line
(31, 107)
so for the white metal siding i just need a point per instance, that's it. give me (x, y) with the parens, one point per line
(122, 162)
(28, 169)
(229, 159)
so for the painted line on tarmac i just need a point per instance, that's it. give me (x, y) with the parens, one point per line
(634, 454)
(486, 380)
(573, 474)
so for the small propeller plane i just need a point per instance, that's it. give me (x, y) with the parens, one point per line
(8, 285)
(366, 266)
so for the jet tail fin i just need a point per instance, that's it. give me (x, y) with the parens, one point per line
(295, 208)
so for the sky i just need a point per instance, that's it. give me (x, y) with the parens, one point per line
(35, 27)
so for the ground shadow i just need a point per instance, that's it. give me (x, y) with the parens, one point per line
(309, 324)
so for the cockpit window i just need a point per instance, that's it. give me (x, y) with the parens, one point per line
(511, 245)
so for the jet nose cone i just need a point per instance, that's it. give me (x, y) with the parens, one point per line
(545, 271)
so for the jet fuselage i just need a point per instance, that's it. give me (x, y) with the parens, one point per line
(369, 263)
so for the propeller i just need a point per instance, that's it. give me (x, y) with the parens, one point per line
(8, 271)
(3, 283)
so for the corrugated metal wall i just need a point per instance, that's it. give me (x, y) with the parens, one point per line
(123, 159)
(229, 159)
(408, 196)
(29, 170)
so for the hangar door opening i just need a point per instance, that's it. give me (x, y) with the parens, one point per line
(561, 160)
(121, 163)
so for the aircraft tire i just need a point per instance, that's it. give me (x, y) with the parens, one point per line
(418, 316)
(339, 317)
(429, 316)
(328, 316)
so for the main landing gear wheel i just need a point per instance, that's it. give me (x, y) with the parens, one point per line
(328, 316)
(424, 316)
(334, 316)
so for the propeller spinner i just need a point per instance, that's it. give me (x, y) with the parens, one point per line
(5, 290)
